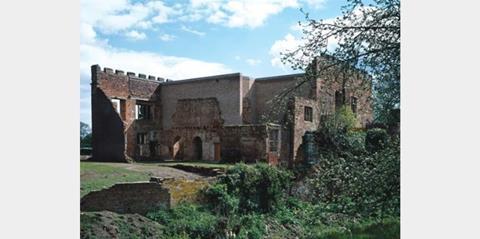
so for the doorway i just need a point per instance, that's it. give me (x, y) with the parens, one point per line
(197, 148)
(217, 151)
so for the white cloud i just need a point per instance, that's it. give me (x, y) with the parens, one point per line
(113, 16)
(166, 37)
(316, 3)
(134, 35)
(288, 44)
(187, 29)
(253, 62)
(237, 58)
(149, 63)
(87, 34)
(239, 13)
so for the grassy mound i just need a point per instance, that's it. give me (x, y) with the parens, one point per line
(112, 225)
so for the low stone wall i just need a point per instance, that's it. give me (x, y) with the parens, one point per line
(204, 171)
(142, 197)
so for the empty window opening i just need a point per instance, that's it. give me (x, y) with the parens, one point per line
(116, 105)
(141, 138)
(308, 114)
(273, 136)
(119, 106)
(143, 111)
(353, 104)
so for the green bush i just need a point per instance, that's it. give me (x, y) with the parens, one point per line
(337, 134)
(376, 139)
(344, 120)
(249, 188)
(186, 221)
(359, 185)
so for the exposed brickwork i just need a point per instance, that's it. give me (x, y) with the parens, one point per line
(127, 198)
(211, 118)
(142, 197)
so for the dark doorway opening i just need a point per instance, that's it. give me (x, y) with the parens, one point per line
(197, 148)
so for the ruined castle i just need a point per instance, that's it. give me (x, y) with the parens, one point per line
(229, 117)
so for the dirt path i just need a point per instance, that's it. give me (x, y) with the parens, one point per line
(156, 170)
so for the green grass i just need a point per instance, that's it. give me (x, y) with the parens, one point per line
(388, 228)
(96, 176)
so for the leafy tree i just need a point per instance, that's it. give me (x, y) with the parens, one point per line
(86, 141)
(365, 37)
(84, 130)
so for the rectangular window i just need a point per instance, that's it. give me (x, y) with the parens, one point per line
(273, 139)
(308, 114)
(116, 105)
(353, 103)
(143, 111)
(119, 106)
(123, 112)
(141, 138)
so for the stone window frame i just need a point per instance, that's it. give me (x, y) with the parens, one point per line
(273, 140)
(148, 108)
(308, 113)
(119, 106)
(116, 104)
(141, 138)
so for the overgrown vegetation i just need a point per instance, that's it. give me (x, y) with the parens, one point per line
(253, 201)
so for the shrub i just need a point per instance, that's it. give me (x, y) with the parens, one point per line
(344, 121)
(337, 133)
(376, 139)
(245, 188)
(358, 185)
(186, 221)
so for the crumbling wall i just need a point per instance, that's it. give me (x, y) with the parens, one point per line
(300, 125)
(209, 138)
(114, 133)
(127, 198)
(247, 143)
(197, 113)
(142, 197)
(225, 88)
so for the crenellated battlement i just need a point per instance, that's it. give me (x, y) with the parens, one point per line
(107, 70)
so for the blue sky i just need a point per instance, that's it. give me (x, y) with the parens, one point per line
(183, 39)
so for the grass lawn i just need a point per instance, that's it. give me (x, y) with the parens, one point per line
(95, 176)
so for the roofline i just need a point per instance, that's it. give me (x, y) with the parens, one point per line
(206, 78)
(280, 77)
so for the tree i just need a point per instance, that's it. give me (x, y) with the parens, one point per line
(366, 38)
(84, 130)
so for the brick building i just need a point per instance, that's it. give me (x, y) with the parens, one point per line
(230, 117)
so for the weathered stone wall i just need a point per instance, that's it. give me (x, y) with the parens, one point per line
(225, 88)
(300, 125)
(142, 197)
(197, 113)
(114, 134)
(186, 138)
(127, 198)
(201, 109)
(247, 143)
